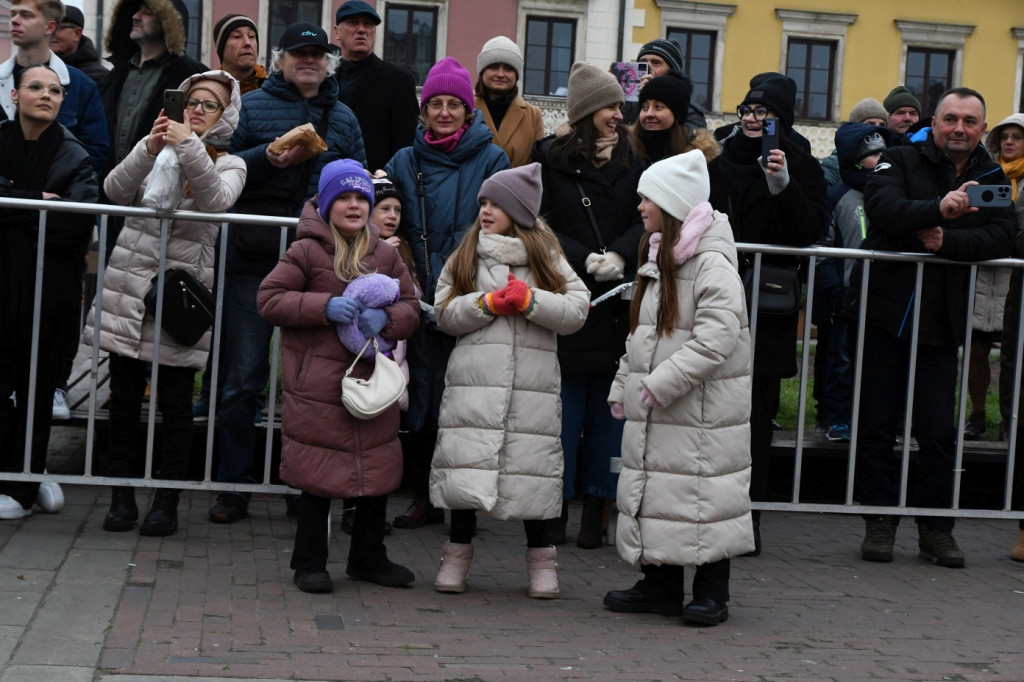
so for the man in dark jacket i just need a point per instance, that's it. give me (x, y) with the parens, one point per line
(146, 42)
(916, 201)
(76, 49)
(382, 95)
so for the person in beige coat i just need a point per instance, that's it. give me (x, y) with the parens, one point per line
(506, 292)
(683, 387)
(516, 123)
(215, 179)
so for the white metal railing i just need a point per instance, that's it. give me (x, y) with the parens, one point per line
(266, 483)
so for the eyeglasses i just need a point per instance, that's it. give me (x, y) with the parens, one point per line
(760, 113)
(208, 106)
(436, 106)
(35, 87)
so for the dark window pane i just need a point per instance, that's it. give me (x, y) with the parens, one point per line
(929, 74)
(411, 38)
(286, 12)
(810, 63)
(698, 49)
(550, 45)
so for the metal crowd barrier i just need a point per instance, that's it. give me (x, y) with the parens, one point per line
(272, 423)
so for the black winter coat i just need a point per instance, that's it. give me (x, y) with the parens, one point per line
(902, 196)
(612, 192)
(797, 216)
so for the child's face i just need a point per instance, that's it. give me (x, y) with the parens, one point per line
(386, 215)
(492, 219)
(651, 215)
(870, 161)
(349, 213)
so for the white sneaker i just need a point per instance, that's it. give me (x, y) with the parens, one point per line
(50, 498)
(61, 410)
(10, 508)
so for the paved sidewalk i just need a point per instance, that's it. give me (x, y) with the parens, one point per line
(216, 602)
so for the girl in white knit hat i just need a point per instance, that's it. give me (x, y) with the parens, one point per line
(683, 388)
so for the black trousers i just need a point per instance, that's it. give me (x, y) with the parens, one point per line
(174, 400)
(311, 532)
(764, 405)
(883, 387)
(464, 523)
(710, 581)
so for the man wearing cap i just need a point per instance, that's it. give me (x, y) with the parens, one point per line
(382, 96)
(238, 45)
(76, 49)
(298, 91)
(904, 111)
(146, 42)
(916, 201)
(81, 112)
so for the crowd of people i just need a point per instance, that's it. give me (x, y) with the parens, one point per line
(569, 310)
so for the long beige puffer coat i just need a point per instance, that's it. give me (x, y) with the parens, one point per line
(498, 448)
(212, 187)
(683, 494)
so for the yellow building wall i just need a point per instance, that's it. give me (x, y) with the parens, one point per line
(871, 68)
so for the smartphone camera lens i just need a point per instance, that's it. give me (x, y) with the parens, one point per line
(987, 195)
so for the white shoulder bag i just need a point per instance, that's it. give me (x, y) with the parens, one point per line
(367, 398)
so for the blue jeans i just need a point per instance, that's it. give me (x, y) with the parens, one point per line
(585, 414)
(246, 368)
(839, 373)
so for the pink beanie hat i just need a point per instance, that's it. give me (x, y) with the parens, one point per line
(448, 77)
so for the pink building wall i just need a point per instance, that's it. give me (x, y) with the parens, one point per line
(471, 23)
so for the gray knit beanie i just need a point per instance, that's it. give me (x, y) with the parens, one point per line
(500, 50)
(900, 96)
(868, 108)
(516, 191)
(590, 90)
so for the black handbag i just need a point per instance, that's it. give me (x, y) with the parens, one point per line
(188, 306)
(779, 290)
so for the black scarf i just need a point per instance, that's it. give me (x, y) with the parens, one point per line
(27, 163)
(740, 163)
(498, 108)
(655, 143)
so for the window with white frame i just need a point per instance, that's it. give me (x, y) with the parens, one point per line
(699, 28)
(193, 44)
(410, 39)
(1018, 33)
(813, 49)
(551, 32)
(931, 58)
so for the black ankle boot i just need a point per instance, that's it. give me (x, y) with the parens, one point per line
(162, 518)
(123, 510)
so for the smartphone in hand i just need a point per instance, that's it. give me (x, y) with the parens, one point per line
(769, 138)
(174, 105)
(629, 75)
(989, 195)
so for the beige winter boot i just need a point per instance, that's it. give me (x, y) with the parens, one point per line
(455, 560)
(1017, 553)
(543, 571)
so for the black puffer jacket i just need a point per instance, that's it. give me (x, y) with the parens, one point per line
(901, 197)
(612, 192)
(87, 60)
(797, 216)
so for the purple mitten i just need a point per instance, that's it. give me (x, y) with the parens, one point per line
(373, 291)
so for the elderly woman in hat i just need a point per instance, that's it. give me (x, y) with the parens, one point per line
(782, 202)
(590, 157)
(516, 124)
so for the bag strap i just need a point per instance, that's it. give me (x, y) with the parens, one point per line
(359, 355)
(423, 219)
(585, 200)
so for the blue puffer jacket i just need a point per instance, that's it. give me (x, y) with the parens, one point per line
(266, 114)
(450, 184)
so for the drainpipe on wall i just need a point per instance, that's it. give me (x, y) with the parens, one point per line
(622, 29)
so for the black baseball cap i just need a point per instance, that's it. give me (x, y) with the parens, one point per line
(73, 15)
(354, 8)
(305, 34)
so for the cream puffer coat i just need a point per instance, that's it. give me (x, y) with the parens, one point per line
(498, 448)
(683, 494)
(212, 187)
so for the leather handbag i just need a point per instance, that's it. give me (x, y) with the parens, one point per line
(188, 306)
(367, 398)
(779, 290)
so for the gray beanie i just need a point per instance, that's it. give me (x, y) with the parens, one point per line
(868, 108)
(500, 50)
(516, 191)
(900, 96)
(590, 90)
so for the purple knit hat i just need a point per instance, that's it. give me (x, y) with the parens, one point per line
(338, 177)
(448, 77)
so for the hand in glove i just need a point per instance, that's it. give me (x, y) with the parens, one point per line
(507, 301)
(605, 267)
(618, 411)
(648, 399)
(372, 321)
(342, 309)
(776, 172)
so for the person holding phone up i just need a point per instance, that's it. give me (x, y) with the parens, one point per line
(773, 195)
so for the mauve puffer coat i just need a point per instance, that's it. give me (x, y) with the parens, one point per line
(324, 449)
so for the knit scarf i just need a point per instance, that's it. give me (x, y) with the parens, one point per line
(1014, 170)
(694, 227)
(655, 142)
(603, 149)
(447, 144)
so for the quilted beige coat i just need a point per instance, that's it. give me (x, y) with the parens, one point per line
(498, 448)
(213, 187)
(683, 494)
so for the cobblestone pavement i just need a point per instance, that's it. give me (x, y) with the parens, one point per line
(216, 602)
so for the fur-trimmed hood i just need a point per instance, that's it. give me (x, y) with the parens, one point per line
(173, 17)
(992, 139)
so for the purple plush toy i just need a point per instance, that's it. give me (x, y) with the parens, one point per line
(373, 291)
